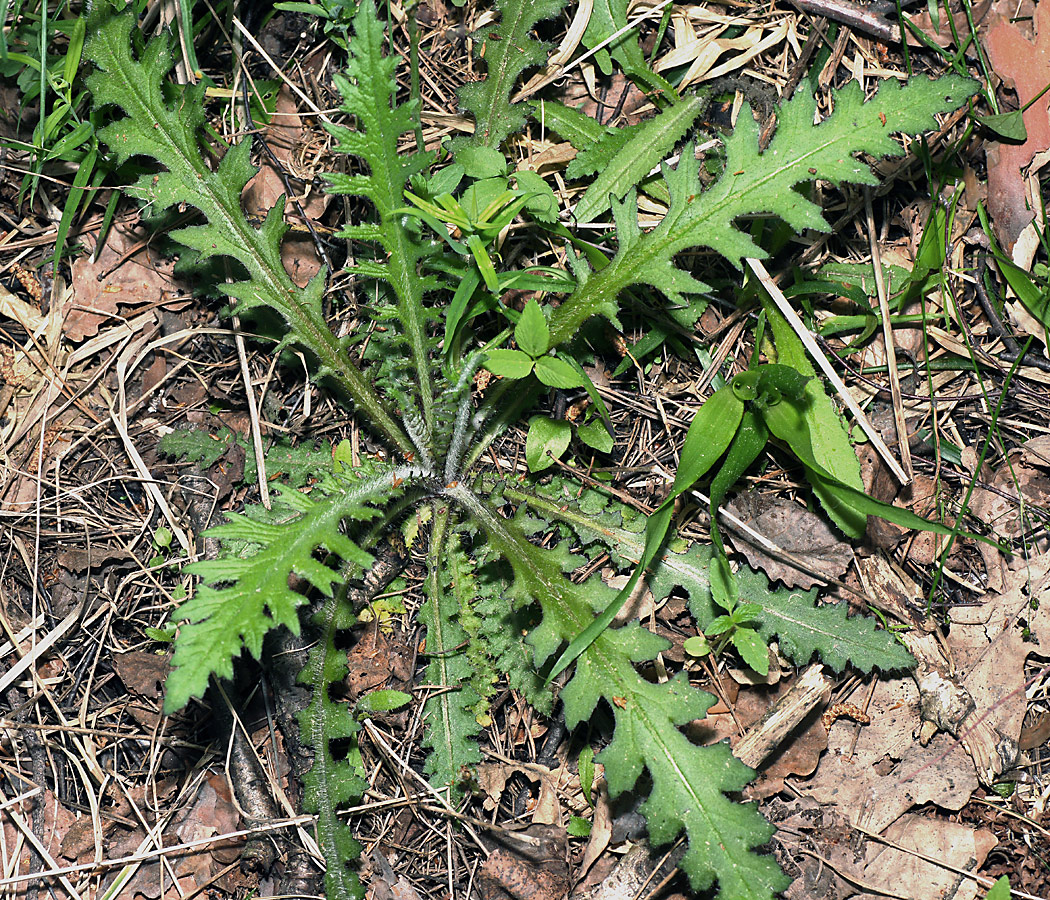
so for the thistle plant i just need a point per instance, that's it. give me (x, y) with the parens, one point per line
(499, 607)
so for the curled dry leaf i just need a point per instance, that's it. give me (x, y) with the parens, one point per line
(803, 534)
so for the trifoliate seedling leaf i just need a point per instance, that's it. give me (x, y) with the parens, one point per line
(547, 440)
(508, 363)
(557, 373)
(531, 332)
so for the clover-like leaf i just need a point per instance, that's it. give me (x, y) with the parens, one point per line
(508, 363)
(557, 373)
(531, 332)
(547, 441)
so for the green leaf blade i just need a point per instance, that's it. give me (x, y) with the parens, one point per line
(512, 51)
(653, 140)
(256, 598)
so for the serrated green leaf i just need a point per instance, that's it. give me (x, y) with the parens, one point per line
(225, 621)
(805, 629)
(652, 141)
(576, 127)
(331, 782)
(578, 827)
(531, 332)
(557, 373)
(169, 133)
(451, 723)
(495, 117)
(509, 363)
(382, 701)
(721, 625)
(759, 183)
(197, 445)
(689, 782)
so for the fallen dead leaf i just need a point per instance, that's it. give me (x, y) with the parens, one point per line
(492, 777)
(794, 529)
(905, 863)
(100, 287)
(143, 673)
(601, 830)
(1023, 477)
(378, 659)
(57, 823)
(873, 775)
(528, 865)
(292, 144)
(799, 754)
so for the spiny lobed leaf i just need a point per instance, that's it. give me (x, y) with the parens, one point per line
(758, 183)
(331, 783)
(449, 715)
(225, 621)
(689, 782)
(512, 51)
(804, 629)
(369, 91)
(169, 133)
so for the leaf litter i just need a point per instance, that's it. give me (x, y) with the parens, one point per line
(869, 780)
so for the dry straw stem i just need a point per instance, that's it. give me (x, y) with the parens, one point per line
(825, 366)
(887, 337)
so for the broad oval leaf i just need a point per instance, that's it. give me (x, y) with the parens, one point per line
(531, 332)
(547, 441)
(508, 363)
(557, 373)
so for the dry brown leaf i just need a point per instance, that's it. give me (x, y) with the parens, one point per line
(130, 281)
(875, 776)
(57, 823)
(143, 673)
(998, 505)
(601, 830)
(378, 659)
(530, 865)
(493, 776)
(1024, 65)
(794, 529)
(291, 144)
